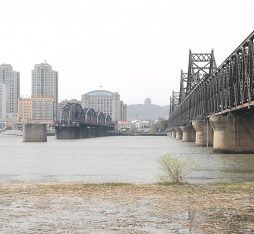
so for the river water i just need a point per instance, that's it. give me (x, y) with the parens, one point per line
(131, 159)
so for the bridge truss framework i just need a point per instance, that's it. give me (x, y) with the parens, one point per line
(218, 90)
(215, 106)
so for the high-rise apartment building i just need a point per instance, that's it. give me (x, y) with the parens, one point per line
(2, 103)
(45, 84)
(12, 81)
(123, 111)
(104, 101)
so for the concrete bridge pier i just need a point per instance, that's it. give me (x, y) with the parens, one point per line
(173, 133)
(84, 132)
(189, 134)
(233, 133)
(93, 132)
(179, 133)
(68, 132)
(169, 133)
(204, 132)
(34, 132)
(103, 132)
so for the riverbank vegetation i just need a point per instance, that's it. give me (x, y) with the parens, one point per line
(127, 208)
(174, 170)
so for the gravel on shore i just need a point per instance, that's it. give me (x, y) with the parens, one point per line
(126, 208)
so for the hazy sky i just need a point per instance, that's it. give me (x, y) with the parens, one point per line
(134, 47)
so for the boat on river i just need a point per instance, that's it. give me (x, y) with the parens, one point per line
(12, 133)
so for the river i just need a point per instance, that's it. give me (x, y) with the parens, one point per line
(131, 159)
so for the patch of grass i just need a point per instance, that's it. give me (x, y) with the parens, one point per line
(236, 186)
(80, 186)
(115, 184)
(170, 183)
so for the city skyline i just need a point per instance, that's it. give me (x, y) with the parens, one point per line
(136, 45)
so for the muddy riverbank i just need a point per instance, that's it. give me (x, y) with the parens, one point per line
(125, 208)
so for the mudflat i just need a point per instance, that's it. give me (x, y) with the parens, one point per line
(126, 208)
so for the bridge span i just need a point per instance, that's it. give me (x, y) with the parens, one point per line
(77, 123)
(215, 105)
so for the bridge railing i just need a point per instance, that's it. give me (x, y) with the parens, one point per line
(231, 85)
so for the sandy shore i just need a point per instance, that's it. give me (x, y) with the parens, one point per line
(116, 208)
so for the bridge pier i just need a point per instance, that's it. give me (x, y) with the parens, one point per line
(93, 132)
(173, 133)
(169, 133)
(34, 132)
(233, 134)
(77, 132)
(179, 133)
(68, 132)
(189, 133)
(102, 132)
(204, 132)
(84, 132)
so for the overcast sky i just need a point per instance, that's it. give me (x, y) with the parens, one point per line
(134, 47)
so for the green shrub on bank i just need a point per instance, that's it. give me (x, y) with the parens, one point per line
(173, 169)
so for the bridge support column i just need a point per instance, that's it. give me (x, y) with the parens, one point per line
(169, 133)
(179, 133)
(233, 134)
(173, 133)
(68, 132)
(189, 133)
(204, 133)
(103, 132)
(34, 133)
(100, 132)
(92, 132)
(84, 132)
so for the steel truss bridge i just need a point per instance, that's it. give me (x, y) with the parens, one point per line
(216, 103)
(77, 122)
(207, 90)
(73, 114)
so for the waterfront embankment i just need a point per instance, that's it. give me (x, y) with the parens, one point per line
(126, 208)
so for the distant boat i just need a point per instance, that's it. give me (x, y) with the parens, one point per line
(12, 133)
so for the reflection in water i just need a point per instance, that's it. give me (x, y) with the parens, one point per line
(114, 159)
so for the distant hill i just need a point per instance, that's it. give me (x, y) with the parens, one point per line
(147, 111)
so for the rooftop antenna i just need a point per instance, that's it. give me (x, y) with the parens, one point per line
(100, 87)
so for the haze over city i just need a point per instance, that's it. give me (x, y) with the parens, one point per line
(136, 48)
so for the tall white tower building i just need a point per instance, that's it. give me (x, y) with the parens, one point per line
(11, 79)
(2, 102)
(45, 84)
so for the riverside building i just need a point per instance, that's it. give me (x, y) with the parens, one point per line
(25, 110)
(45, 86)
(104, 101)
(123, 111)
(43, 110)
(11, 79)
(2, 105)
(36, 110)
